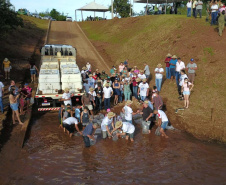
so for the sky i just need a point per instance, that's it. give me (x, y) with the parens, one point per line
(66, 6)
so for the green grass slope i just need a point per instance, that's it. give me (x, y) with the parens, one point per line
(149, 39)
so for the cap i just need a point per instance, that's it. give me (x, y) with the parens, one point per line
(192, 59)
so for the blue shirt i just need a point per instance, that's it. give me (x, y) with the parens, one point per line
(88, 130)
(91, 82)
(86, 86)
(77, 113)
(173, 61)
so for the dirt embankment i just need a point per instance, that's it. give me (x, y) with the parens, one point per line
(20, 47)
(149, 39)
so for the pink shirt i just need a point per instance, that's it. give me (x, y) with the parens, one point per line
(186, 86)
(136, 71)
(121, 67)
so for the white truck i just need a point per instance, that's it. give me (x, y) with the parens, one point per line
(58, 70)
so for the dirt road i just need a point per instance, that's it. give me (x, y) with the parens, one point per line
(62, 32)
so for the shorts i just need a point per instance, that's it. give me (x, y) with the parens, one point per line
(105, 134)
(129, 121)
(90, 107)
(130, 135)
(7, 69)
(21, 102)
(191, 77)
(164, 124)
(186, 92)
(172, 71)
(33, 72)
(14, 106)
(27, 98)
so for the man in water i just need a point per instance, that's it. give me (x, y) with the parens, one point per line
(88, 133)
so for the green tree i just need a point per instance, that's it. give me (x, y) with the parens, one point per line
(54, 14)
(121, 7)
(8, 17)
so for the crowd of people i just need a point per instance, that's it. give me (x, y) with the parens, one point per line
(214, 9)
(119, 86)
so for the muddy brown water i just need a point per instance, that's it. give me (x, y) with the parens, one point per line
(51, 157)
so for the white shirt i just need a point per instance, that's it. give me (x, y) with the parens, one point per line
(146, 69)
(1, 86)
(162, 115)
(181, 80)
(106, 122)
(67, 96)
(88, 66)
(214, 7)
(159, 75)
(70, 121)
(180, 66)
(128, 113)
(127, 79)
(189, 4)
(141, 76)
(94, 94)
(107, 92)
(143, 89)
(160, 8)
(128, 127)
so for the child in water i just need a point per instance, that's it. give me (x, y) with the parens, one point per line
(77, 113)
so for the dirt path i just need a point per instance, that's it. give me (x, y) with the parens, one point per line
(62, 32)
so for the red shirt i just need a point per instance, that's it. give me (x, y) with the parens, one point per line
(134, 81)
(95, 77)
(167, 61)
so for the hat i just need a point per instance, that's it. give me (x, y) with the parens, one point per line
(90, 75)
(135, 67)
(132, 70)
(129, 102)
(66, 89)
(111, 114)
(118, 124)
(91, 89)
(138, 80)
(83, 68)
(26, 84)
(141, 71)
(107, 84)
(192, 59)
(159, 65)
(168, 55)
(6, 59)
(144, 80)
(174, 56)
(146, 102)
(97, 69)
(221, 5)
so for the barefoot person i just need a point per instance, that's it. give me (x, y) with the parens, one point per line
(186, 91)
(162, 122)
(128, 129)
(14, 106)
(70, 124)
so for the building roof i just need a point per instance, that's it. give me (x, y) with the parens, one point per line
(94, 7)
(156, 1)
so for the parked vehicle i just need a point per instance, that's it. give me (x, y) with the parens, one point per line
(69, 19)
(23, 11)
(58, 71)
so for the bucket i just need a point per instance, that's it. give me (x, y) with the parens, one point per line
(145, 127)
(157, 131)
(93, 142)
(122, 115)
(115, 137)
(139, 121)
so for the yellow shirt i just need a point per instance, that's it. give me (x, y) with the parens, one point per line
(194, 4)
(6, 64)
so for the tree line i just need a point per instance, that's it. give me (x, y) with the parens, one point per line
(54, 14)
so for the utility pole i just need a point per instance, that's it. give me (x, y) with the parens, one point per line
(112, 15)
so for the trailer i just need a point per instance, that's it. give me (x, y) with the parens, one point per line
(58, 70)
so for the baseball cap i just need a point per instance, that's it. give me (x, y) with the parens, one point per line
(192, 59)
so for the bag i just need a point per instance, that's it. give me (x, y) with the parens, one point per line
(157, 131)
(145, 127)
(32, 101)
(93, 142)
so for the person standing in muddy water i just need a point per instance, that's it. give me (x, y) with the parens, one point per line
(128, 111)
(162, 122)
(106, 124)
(14, 106)
(88, 133)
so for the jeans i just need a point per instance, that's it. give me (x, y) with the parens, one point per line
(177, 75)
(107, 103)
(179, 91)
(167, 72)
(158, 83)
(160, 12)
(129, 121)
(120, 96)
(86, 141)
(189, 12)
(199, 11)
(1, 105)
(143, 98)
(194, 12)
(98, 103)
(214, 18)
(127, 95)
(135, 88)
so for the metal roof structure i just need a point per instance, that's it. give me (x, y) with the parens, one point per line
(156, 1)
(94, 7)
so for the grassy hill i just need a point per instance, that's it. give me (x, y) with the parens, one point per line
(22, 43)
(149, 39)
